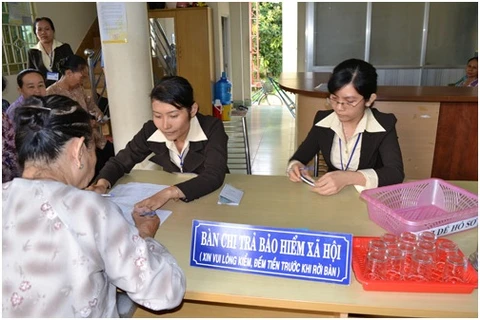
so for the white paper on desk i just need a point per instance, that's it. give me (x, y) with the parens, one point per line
(322, 87)
(230, 195)
(359, 188)
(126, 195)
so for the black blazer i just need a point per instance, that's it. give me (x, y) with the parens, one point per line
(207, 158)
(380, 150)
(35, 60)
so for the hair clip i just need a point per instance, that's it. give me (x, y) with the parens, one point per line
(40, 107)
(62, 112)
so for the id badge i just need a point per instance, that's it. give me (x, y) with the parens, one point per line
(52, 76)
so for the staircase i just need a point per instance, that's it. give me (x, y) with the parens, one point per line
(95, 85)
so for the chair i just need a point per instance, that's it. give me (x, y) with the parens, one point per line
(238, 146)
(319, 165)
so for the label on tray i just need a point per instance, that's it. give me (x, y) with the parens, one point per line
(453, 227)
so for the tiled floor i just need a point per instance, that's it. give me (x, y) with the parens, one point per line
(271, 131)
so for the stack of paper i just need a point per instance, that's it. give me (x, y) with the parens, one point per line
(230, 195)
(127, 195)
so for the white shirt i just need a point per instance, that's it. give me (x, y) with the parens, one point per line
(48, 58)
(195, 134)
(347, 148)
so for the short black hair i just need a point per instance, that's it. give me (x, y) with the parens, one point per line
(43, 125)
(37, 20)
(23, 73)
(472, 58)
(174, 90)
(73, 62)
(362, 75)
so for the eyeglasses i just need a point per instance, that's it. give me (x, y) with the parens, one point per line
(334, 103)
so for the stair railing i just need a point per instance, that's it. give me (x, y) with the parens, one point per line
(93, 58)
(163, 49)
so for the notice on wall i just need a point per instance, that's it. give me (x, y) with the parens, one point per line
(19, 13)
(112, 19)
(291, 253)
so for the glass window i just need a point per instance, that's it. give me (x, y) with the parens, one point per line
(452, 33)
(396, 34)
(339, 32)
(17, 35)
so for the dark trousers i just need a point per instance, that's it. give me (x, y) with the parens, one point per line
(103, 155)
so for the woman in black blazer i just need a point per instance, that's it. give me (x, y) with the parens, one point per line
(48, 52)
(181, 139)
(359, 143)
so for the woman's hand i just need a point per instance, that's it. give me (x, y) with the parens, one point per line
(101, 186)
(296, 170)
(332, 182)
(147, 225)
(158, 199)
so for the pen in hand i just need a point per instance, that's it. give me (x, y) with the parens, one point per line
(148, 214)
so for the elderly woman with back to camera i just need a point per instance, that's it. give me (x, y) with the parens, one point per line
(182, 140)
(67, 250)
(359, 143)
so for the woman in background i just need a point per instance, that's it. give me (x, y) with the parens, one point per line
(74, 70)
(471, 77)
(67, 250)
(359, 143)
(182, 140)
(48, 52)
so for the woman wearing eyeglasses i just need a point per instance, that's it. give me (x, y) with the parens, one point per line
(359, 143)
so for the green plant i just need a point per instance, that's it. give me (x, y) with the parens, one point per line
(270, 35)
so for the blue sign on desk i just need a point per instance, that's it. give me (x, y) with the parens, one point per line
(292, 253)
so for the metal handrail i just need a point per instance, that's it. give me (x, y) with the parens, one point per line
(164, 51)
(93, 57)
(158, 52)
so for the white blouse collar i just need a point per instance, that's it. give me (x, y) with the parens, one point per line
(194, 134)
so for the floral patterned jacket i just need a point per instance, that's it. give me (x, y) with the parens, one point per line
(66, 251)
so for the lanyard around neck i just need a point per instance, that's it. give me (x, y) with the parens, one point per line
(180, 157)
(351, 155)
(50, 55)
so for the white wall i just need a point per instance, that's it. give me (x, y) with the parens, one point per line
(289, 36)
(219, 10)
(240, 52)
(72, 21)
(301, 15)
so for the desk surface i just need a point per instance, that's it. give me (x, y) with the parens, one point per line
(274, 201)
(305, 83)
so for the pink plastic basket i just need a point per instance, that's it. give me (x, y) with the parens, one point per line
(419, 205)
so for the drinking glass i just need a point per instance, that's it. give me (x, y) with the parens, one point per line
(421, 267)
(427, 247)
(427, 236)
(408, 237)
(394, 265)
(444, 248)
(377, 245)
(390, 240)
(375, 265)
(455, 269)
(473, 258)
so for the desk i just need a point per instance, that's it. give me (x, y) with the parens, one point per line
(275, 201)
